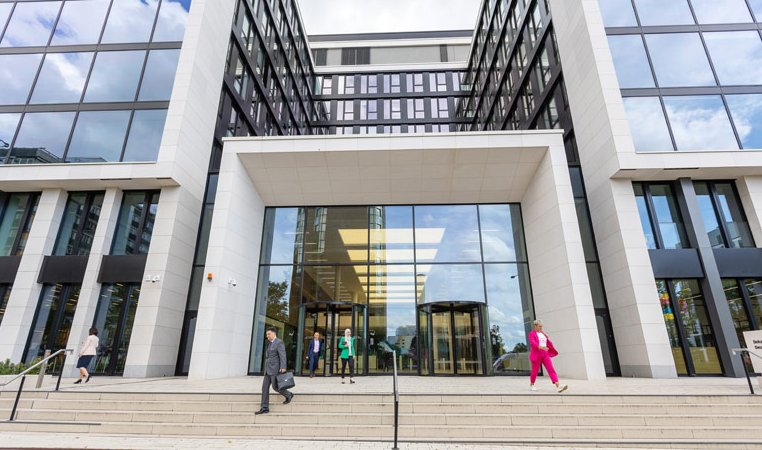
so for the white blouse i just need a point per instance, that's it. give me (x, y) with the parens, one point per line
(543, 339)
(90, 346)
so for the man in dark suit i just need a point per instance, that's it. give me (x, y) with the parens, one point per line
(275, 363)
(314, 349)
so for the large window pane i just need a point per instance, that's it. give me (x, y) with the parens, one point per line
(81, 22)
(510, 316)
(502, 233)
(668, 313)
(159, 75)
(114, 318)
(17, 74)
(617, 13)
(345, 284)
(77, 211)
(737, 56)
(737, 308)
(115, 76)
(756, 7)
(449, 283)
(42, 138)
(52, 324)
(283, 234)
(391, 234)
(699, 335)
(668, 216)
(660, 12)
(134, 226)
(700, 123)
(8, 124)
(98, 136)
(709, 215)
(5, 13)
(647, 124)
(746, 111)
(11, 223)
(754, 289)
(446, 233)
(30, 24)
(145, 135)
(645, 218)
(336, 235)
(731, 212)
(172, 18)
(130, 21)
(631, 62)
(679, 60)
(62, 78)
(5, 294)
(721, 11)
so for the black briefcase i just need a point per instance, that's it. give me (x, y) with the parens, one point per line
(285, 380)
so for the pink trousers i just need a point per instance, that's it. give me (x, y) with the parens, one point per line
(545, 361)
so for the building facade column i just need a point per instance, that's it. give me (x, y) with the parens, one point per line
(25, 294)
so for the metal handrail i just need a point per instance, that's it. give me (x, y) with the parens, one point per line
(748, 352)
(22, 375)
(396, 400)
(41, 362)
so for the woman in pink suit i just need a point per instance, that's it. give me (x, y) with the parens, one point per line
(540, 352)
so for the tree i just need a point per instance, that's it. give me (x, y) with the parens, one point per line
(277, 301)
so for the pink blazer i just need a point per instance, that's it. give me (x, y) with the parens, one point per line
(535, 353)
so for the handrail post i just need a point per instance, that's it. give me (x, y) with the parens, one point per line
(43, 368)
(18, 396)
(745, 357)
(60, 374)
(396, 400)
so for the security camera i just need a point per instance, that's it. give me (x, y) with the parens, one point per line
(232, 282)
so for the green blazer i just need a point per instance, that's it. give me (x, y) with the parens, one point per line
(345, 348)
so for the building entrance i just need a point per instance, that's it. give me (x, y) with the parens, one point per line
(330, 319)
(452, 339)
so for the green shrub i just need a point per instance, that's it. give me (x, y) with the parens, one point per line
(9, 368)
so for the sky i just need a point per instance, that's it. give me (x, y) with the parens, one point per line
(370, 16)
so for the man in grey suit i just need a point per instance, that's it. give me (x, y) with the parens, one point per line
(275, 362)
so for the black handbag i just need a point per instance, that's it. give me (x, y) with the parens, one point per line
(285, 380)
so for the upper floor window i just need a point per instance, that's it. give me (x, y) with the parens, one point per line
(415, 82)
(355, 56)
(660, 216)
(392, 83)
(16, 217)
(75, 237)
(134, 227)
(723, 215)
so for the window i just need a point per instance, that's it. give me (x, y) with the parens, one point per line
(345, 110)
(134, 226)
(368, 84)
(30, 24)
(618, 13)
(346, 84)
(160, 75)
(16, 221)
(391, 83)
(721, 11)
(392, 109)
(631, 62)
(98, 136)
(746, 111)
(62, 78)
(355, 56)
(660, 216)
(438, 82)
(321, 56)
(17, 74)
(659, 12)
(327, 85)
(689, 116)
(415, 109)
(130, 21)
(75, 236)
(115, 76)
(745, 302)
(42, 138)
(439, 108)
(80, 22)
(414, 82)
(723, 215)
(737, 56)
(647, 124)
(146, 130)
(5, 292)
(679, 60)
(173, 15)
(52, 321)
(368, 109)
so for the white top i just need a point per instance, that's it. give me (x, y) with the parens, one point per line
(90, 346)
(316, 347)
(543, 339)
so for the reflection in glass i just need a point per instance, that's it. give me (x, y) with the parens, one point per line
(98, 136)
(336, 235)
(391, 234)
(346, 284)
(74, 236)
(159, 75)
(754, 289)
(721, 11)
(731, 212)
(5, 12)
(737, 308)
(679, 60)
(631, 62)
(645, 219)
(12, 216)
(746, 111)
(145, 135)
(115, 76)
(737, 56)
(62, 78)
(706, 206)
(5, 294)
(502, 233)
(647, 124)
(446, 233)
(699, 336)
(510, 316)
(660, 12)
(134, 226)
(283, 234)
(667, 214)
(52, 324)
(668, 313)
(81, 22)
(172, 18)
(618, 13)
(30, 24)
(450, 283)
(130, 21)
(277, 306)
(17, 74)
(114, 318)
(700, 123)
(42, 138)
(756, 7)
(8, 124)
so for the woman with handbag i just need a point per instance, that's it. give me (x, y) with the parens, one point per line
(540, 351)
(87, 351)
(348, 352)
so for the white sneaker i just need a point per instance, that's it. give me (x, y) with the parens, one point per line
(532, 387)
(563, 388)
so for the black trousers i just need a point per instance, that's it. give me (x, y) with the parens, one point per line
(351, 361)
(271, 380)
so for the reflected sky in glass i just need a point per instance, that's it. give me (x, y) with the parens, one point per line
(501, 233)
(45, 132)
(509, 306)
(617, 13)
(721, 11)
(392, 298)
(746, 111)
(645, 219)
(756, 6)
(631, 62)
(16, 77)
(62, 78)
(8, 124)
(98, 136)
(679, 60)
(115, 76)
(647, 124)
(664, 12)
(5, 12)
(130, 21)
(30, 24)
(81, 22)
(282, 236)
(447, 233)
(450, 283)
(145, 135)
(737, 56)
(159, 75)
(173, 16)
(700, 123)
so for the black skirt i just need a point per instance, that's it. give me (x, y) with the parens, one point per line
(84, 361)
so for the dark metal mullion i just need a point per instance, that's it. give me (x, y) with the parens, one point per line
(56, 329)
(55, 24)
(119, 332)
(71, 135)
(454, 355)
(652, 215)
(23, 223)
(718, 214)
(127, 135)
(680, 328)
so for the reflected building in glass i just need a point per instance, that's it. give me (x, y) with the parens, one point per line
(183, 177)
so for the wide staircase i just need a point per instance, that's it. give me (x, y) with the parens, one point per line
(700, 421)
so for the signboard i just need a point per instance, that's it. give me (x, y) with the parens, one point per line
(754, 343)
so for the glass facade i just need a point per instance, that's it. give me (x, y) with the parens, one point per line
(75, 236)
(114, 317)
(425, 281)
(660, 216)
(723, 215)
(745, 301)
(135, 224)
(52, 321)
(16, 219)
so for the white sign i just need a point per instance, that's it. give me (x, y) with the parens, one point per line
(754, 343)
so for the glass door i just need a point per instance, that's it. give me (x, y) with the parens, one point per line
(451, 339)
(442, 350)
(52, 323)
(114, 319)
(467, 337)
(330, 320)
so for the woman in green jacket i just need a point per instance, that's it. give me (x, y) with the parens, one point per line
(348, 352)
